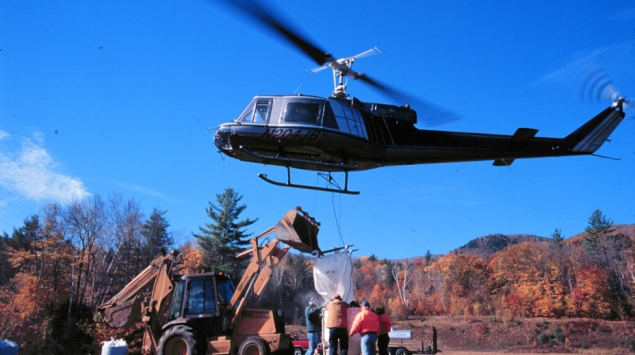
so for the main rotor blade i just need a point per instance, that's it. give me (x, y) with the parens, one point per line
(368, 53)
(265, 17)
(430, 114)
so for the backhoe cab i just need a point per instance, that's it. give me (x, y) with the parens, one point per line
(203, 313)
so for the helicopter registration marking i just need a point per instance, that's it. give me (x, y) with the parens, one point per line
(289, 133)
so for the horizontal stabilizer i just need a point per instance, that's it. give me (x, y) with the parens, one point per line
(503, 162)
(521, 138)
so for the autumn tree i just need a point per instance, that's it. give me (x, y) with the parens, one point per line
(526, 281)
(123, 250)
(225, 236)
(41, 264)
(464, 282)
(192, 258)
(590, 298)
(85, 223)
(558, 247)
(401, 273)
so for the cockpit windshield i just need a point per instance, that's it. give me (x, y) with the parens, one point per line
(257, 112)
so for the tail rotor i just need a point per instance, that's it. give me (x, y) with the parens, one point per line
(596, 85)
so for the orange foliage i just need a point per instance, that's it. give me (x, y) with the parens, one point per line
(192, 258)
(464, 283)
(377, 296)
(20, 309)
(524, 278)
(590, 296)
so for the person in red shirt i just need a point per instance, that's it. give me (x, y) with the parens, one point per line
(366, 323)
(384, 327)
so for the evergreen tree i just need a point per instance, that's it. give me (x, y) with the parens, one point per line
(557, 240)
(388, 271)
(373, 259)
(598, 226)
(607, 250)
(225, 237)
(156, 235)
(428, 257)
(6, 270)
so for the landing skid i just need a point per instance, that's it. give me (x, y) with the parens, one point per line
(316, 188)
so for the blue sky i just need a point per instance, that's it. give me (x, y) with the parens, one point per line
(104, 97)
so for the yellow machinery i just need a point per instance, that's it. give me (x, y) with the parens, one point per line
(202, 313)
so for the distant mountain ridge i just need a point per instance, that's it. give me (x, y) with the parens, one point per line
(485, 246)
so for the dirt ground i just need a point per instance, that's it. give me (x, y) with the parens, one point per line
(491, 335)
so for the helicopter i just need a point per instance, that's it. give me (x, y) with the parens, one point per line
(340, 133)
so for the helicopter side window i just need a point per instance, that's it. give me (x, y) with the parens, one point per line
(340, 117)
(302, 112)
(359, 123)
(349, 120)
(200, 298)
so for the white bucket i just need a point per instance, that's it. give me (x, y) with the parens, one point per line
(114, 347)
(7, 347)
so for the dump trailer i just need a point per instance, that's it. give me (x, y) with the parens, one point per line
(204, 313)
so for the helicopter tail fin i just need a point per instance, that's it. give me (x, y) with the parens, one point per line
(591, 135)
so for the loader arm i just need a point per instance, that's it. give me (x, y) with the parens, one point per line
(297, 230)
(125, 308)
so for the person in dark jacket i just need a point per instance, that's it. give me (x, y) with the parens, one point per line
(313, 313)
(384, 327)
(337, 324)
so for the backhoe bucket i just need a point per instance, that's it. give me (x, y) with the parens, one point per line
(299, 231)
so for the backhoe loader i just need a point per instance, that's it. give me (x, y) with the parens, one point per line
(203, 313)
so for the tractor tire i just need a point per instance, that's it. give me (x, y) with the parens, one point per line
(179, 340)
(254, 346)
(402, 351)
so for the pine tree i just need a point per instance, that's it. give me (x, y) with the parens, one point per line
(598, 226)
(225, 237)
(156, 235)
(557, 240)
(428, 257)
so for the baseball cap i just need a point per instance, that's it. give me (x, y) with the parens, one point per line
(365, 304)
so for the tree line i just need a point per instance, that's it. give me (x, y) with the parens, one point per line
(61, 264)
(589, 276)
